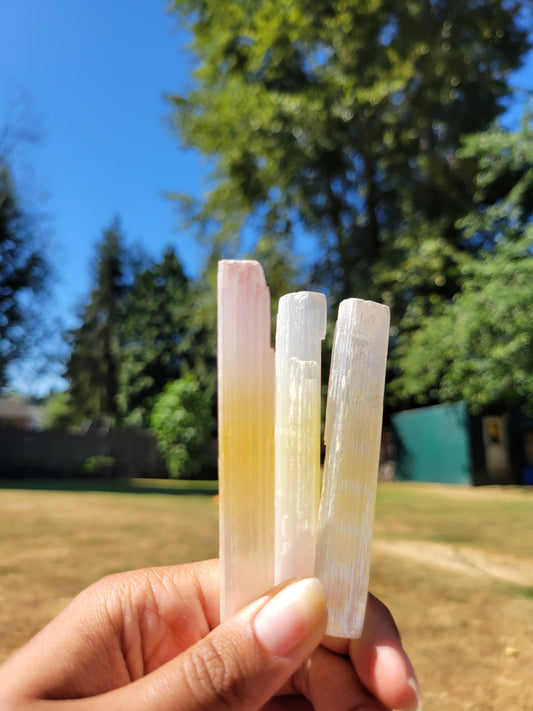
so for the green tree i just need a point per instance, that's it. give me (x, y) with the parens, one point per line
(342, 120)
(182, 423)
(155, 337)
(57, 411)
(143, 326)
(93, 366)
(23, 274)
(280, 267)
(478, 346)
(200, 340)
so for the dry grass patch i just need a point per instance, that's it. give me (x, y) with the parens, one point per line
(54, 543)
(454, 565)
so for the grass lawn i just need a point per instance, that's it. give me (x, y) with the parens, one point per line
(454, 564)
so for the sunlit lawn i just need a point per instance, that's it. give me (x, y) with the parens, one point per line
(53, 543)
(468, 629)
(455, 565)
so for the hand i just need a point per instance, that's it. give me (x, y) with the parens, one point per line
(150, 640)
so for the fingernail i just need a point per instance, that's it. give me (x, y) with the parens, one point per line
(417, 706)
(290, 616)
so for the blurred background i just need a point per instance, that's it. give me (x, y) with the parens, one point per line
(378, 149)
(354, 148)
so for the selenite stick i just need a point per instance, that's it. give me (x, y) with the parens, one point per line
(301, 326)
(246, 434)
(352, 435)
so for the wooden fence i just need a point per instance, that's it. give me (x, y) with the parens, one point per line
(120, 453)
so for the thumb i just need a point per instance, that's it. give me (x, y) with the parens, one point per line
(243, 662)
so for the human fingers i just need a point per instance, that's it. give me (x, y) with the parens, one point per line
(117, 630)
(160, 612)
(241, 664)
(330, 683)
(381, 662)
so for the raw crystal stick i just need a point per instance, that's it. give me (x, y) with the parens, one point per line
(246, 434)
(301, 326)
(352, 436)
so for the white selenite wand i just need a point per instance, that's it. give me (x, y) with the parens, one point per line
(301, 327)
(352, 435)
(339, 553)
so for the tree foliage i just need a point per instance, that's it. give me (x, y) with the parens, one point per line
(57, 411)
(342, 120)
(23, 274)
(479, 345)
(182, 422)
(142, 327)
(155, 342)
(93, 367)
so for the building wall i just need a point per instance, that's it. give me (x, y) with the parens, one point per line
(433, 444)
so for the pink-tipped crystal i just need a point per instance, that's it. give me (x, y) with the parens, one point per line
(246, 434)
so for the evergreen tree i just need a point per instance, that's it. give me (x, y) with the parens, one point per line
(155, 338)
(23, 274)
(93, 367)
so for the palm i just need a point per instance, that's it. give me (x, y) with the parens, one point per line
(168, 615)
(123, 628)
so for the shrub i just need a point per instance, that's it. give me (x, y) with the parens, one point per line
(98, 465)
(181, 421)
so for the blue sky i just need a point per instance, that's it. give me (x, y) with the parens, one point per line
(95, 73)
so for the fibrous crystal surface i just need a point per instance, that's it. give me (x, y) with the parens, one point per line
(270, 529)
(352, 437)
(301, 326)
(246, 434)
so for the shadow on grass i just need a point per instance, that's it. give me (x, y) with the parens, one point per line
(118, 486)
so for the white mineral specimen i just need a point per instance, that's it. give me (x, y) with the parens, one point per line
(301, 326)
(352, 436)
(246, 434)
